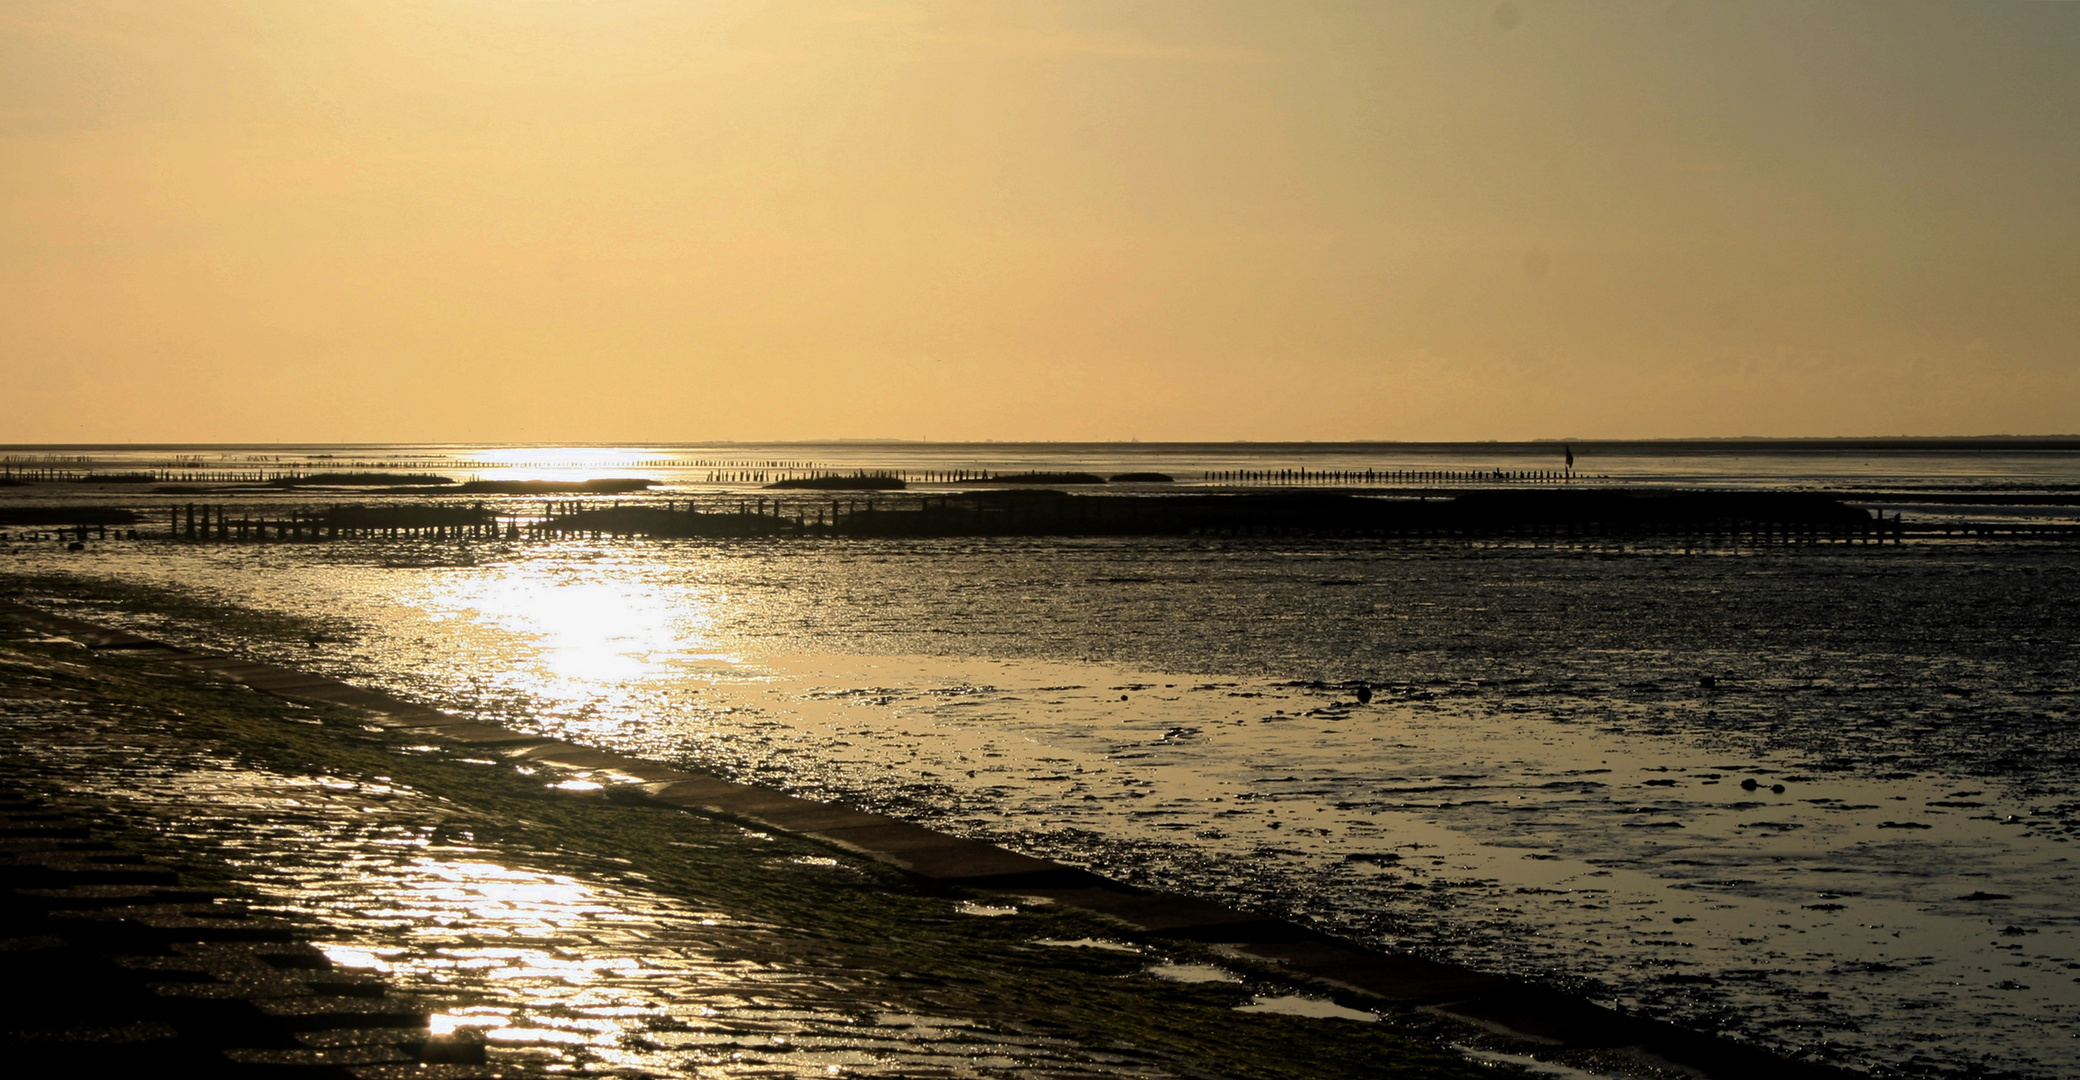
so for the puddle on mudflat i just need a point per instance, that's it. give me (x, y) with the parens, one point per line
(1530, 1065)
(1194, 973)
(1296, 1005)
(1087, 943)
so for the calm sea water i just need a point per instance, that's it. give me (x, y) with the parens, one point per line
(1543, 781)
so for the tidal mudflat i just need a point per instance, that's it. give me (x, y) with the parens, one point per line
(581, 935)
(1567, 768)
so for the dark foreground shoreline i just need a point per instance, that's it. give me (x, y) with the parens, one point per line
(1426, 1003)
(122, 966)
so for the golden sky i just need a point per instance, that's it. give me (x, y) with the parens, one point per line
(302, 220)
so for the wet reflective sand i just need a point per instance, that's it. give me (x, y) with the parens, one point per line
(1541, 783)
(593, 974)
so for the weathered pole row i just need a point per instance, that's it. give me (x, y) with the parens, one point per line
(207, 523)
(1276, 477)
(1708, 518)
(1735, 520)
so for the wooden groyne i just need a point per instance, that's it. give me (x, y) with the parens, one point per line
(1730, 518)
(760, 517)
(75, 523)
(223, 525)
(65, 472)
(1706, 518)
(859, 481)
(81, 470)
(1366, 477)
(1733, 517)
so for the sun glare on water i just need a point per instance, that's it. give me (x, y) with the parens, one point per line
(588, 631)
(563, 462)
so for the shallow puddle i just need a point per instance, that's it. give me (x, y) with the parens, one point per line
(1298, 1005)
(1194, 973)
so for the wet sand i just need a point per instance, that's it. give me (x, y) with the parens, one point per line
(581, 933)
(1871, 913)
(1541, 787)
(1464, 814)
(120, 967)
(426, 904)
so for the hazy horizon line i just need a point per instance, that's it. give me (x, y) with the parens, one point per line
(1870, 441)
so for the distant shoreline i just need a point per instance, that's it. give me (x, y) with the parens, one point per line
(2065, 444)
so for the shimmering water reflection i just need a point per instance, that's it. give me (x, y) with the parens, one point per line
(571, 636)
(568, 973)
(1543, 783)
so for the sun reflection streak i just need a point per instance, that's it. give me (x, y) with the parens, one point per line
(589, 632)
(559, 971)
(564, 462)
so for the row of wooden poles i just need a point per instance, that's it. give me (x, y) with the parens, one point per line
(866, 516)
(761, 515)
(942, 516)
(186, 474)
(36, 471)
(1385, 476)
(205, 523)
(209, 476)
(768, 476)
(218, 524)
(804, 519)
(763, 474)
(69, 532)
